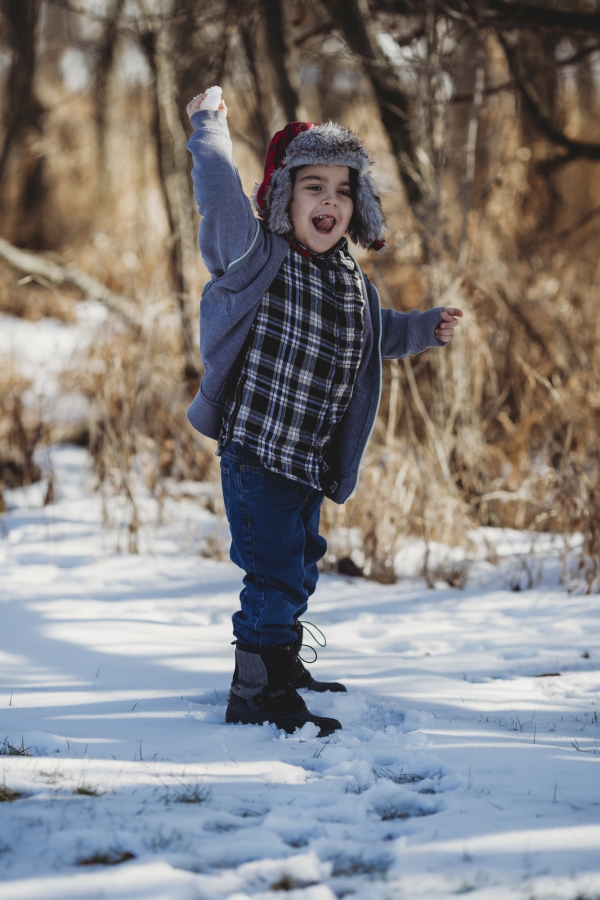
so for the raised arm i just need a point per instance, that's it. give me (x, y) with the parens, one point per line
(228, 225)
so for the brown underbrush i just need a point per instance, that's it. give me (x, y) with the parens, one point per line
(138, 430)
(499, 429)
(21, 432)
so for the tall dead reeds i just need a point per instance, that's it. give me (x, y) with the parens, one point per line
(492, 199)
(139, 436)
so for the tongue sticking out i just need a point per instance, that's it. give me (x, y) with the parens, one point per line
(324, 224)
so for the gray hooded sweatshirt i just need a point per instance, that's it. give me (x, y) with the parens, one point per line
(243, 258)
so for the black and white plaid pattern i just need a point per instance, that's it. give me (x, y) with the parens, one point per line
(303, 354)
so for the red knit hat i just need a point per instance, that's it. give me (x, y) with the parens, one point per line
(311, 143)
(274, 158)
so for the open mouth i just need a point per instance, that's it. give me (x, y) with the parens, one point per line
(324, 224)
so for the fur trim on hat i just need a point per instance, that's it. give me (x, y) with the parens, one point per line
(330, 145)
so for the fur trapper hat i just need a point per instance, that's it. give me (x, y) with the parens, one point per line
(312, 144)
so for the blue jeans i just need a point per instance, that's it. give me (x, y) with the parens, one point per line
(274, 524)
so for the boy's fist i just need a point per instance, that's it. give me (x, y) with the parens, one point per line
(194, 105)
(445, 329)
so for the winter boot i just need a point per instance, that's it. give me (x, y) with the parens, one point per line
(262, 691)
(302, 677)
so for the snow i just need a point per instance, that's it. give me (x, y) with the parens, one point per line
(213, 98)
(468, 760)
(42, 350)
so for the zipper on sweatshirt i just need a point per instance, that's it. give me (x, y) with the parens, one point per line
(235, 265)
(380, 363)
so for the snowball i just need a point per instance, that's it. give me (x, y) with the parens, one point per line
(213, 98)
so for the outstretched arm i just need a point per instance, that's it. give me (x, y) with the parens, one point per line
(228, 224)
(404, 334)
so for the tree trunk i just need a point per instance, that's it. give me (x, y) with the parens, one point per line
(22, 190)
(260, 112)
(394, 107)
(171, 140)
(106, 55)
(286, 93)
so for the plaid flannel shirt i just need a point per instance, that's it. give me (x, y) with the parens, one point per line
(304, 349)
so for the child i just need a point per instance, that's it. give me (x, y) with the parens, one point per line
(291, 338)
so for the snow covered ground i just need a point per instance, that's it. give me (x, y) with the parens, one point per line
(468, 761)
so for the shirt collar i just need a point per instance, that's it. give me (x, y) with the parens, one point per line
(338, 249)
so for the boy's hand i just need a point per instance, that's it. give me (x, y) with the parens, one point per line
(445, 329)
(194, 105)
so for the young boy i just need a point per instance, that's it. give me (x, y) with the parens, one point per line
(291, 338)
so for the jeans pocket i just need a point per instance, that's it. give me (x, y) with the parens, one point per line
(255, 470)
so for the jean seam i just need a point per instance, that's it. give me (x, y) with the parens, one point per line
(226, 477)
(252, 560)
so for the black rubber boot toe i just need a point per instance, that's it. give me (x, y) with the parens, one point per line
(305, 680)
(282, 708)
(302, 677)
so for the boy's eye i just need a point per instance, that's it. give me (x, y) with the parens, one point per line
(317, 187)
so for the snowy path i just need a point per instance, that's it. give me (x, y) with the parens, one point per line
(459, 769)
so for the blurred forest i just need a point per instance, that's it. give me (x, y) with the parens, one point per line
(483, 117)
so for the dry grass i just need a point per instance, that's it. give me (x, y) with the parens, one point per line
(189, 793)
(32, 299)
(138, 428)
(499, 429)
(88, 790)
(9, 749)
(21, 432)
(8, 795)
(111, 857)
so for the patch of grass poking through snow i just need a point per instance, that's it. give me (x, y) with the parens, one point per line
(51, 777)
(345, 866)
(88, 790)
(190, 793)
(8, 749)
(298, 843)
(162, 840)
(7, 795)
(397, 778)
(110, 857)
(289, 883)
(392, 813)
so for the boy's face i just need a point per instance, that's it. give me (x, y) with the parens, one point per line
(321, 206)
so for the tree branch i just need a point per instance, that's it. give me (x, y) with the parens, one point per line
(540, 18)
(392, 100)
(567, 233)
(508, 15)
(580, 54)
(40, 266)
(541, 117)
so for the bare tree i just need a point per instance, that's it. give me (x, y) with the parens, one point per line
(22, 187)
(393, 103)
(104, 63)
(276, 44)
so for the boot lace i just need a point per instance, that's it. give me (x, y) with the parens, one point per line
(308, 626)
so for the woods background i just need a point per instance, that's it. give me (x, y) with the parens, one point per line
(483, 118)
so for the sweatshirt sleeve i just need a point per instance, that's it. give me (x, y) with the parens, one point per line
(403, 334)
(229, 226)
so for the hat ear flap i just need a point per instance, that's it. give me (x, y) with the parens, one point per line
(279, 199)
(368, 223)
